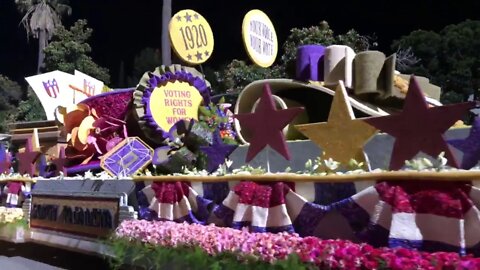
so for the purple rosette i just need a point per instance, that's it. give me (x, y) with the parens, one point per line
(160, 77)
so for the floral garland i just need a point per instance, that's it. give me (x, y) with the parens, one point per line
(269, 247)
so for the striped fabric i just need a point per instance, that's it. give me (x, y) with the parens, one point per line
(260, 207)
(13, 191)
(431, 216)
(174, 201)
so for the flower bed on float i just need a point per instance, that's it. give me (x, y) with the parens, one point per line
(12, 224)
(200, 247)
(10, 215)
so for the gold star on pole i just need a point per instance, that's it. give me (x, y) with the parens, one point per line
(342, 137)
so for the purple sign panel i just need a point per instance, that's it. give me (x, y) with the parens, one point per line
(128, 157)
(5, 160)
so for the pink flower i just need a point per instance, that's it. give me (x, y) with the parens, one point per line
(269, 247)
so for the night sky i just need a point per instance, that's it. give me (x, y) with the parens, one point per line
(123, 27)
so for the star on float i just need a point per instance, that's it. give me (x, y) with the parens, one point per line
(469, 146)
(266, 124)
(60, 162)
(5, 160)
(342, 137)
(419, 128)
(26, 159)
(217, 152)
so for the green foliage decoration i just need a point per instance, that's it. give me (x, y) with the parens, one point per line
(126, 253)
(212, 118)
(322, 166)
(423, 164)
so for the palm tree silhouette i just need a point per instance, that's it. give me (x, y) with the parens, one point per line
(41, 19)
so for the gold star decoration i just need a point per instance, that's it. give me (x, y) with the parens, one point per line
(342, 137)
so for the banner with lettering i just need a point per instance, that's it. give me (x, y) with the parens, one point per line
(259, 38)
(84, 216)
(58, 88)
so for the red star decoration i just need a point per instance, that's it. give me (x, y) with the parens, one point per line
(26, 160)
(5, 160)
(419, 128)
(266, 125)
(60, 162)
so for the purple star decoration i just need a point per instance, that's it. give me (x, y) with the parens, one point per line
(469, 146)
(217, 152)
(60, 162)
(26, 159)
(42, 166)
(5, 160)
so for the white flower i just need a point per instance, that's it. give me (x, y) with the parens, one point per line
(331, 164)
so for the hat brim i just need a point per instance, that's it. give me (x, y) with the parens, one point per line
(304, 93)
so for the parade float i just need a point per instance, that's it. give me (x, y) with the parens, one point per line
(349, 166)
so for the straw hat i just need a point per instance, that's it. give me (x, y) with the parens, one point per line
(291, 93)
(375, 86)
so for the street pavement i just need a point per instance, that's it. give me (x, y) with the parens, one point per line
(31, 256)
(21, 263)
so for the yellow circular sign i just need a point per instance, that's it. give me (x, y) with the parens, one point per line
(191, 36)
(173, 102)
(259, 38)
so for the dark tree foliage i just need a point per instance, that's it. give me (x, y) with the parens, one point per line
(30, 109)
(449, 58)
(147, 60)
(10, 96)
(237, 74)
(69, 50)
(319, 34)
